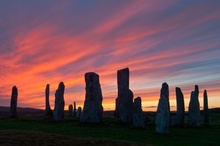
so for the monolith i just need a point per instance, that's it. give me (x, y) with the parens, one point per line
(162, 116)
(165, 92)
(74, 109)
(49, 112)
(124, 101)
(92, 110)
(78, 113)
(180, 107)
(194, 108)
(13, 104)
(205, 109)
(138, 120)
(70, 110)
(58, 114)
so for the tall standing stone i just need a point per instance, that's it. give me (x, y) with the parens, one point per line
(49, 112)
(74, 109)
(180, 107)
(194, 108)
(13, 104)
(165, 92)
(205, 109)
(124, 101)
(138, 120)
(162, 116)
(70, 110)
(92, 110)
(59, 103)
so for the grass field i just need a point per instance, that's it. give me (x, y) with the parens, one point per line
(36, 131)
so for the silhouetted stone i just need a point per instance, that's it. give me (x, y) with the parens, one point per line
(194, 108)
(70, 110)
(124, 102)
(78, 113)
(180, 107)
(162, 116)
(59, 103)
(13, 104)
(92, 110)
(74, 109)
(138, 120)
(49, 112)
(165, 92)
(205, 109)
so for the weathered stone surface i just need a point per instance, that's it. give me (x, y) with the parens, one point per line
(92, 110)
(194, 108)
(180, 107)
(13, 104)
(58, 114)
(165, 92)
(124, 102)
(70, 110)
(205, 109)
(138, 120)
(78, 113)
(49, 112)
(74, 109)
(162, 116)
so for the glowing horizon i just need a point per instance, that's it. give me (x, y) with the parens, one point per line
(46, 42)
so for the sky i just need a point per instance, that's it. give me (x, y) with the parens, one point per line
(46, 42)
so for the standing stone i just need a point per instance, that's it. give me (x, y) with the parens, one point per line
(70, 110)
(194, 108)
(162, 116)
(205, 109)
(92, 110)
(180, 107)
(78, 113)
(138, 120)
(13, 104)
(74, 110)
(49, 112)
(165, 92)
(124, 102)
(59, 103)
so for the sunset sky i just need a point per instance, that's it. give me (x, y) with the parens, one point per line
(49, 41)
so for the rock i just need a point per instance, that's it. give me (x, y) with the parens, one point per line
(13, 104)
(165, 92)
(49, 112)
(138, 120)
(70, 110)
(124, 102)
(78, 113)
(92, 110)
(194, 108)
(59, 103)
(205, 109)
(162, 116)
(74, 110)
(180, 107)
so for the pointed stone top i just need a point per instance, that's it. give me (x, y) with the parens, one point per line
(165, 84)
(124, 69)
(196, 88)
(61, 86)
(14, 87)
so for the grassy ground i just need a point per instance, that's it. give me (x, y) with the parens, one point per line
(36, 131)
